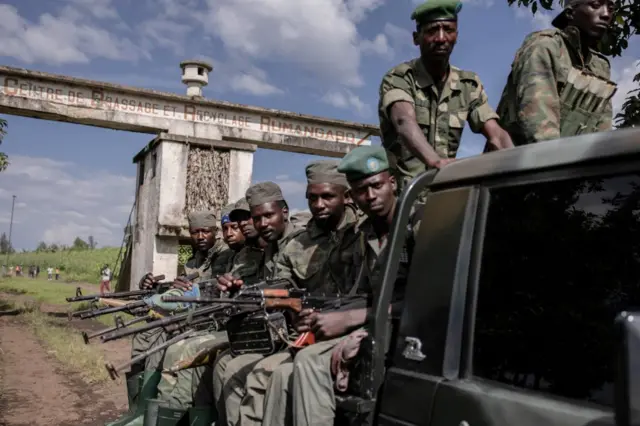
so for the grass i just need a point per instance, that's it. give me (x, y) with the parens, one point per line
(75, 265)
(53, 293)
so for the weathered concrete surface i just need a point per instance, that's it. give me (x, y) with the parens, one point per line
(55, 97)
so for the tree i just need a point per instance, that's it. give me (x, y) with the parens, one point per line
(80, 244)
(92, 242)
(42, 246)
(5, 245)
(4, 159)
(626, 24)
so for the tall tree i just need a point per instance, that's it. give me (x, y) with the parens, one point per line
(42, 246)
(5, 245)
(4, 159)
(625, 26)
(80, 244)
(92, 242)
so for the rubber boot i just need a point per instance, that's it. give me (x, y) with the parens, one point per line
(148, 390)
(168, 416)
(134, 385)
(201, 416)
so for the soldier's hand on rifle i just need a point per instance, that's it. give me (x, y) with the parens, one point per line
(327, 325)
(147, 282)
(182, 284)
(306, 319)
(442, 162)
(228, 282)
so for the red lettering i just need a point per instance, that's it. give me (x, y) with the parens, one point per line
(9, 86)
(189, 110)
(264, 122)
(96, 97)
(339, 135)
(329, 135)
(351, 137)
(58, 94)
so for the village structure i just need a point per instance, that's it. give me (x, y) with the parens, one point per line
(200, 157)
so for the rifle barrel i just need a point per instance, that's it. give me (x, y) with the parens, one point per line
(99, 312)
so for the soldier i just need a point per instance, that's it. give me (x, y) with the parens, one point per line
(559, 84)
(373, 188)
(270, 215)
(190, 391)
(300, 219)
(143, 378)
(320, 260)
(425, 102)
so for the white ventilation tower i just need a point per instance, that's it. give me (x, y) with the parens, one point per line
(195, 74)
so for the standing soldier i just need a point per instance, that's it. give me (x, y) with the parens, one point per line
(425, 102)
(559, 84)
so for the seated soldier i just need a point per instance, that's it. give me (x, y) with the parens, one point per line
(143, 378)
(190, 389)
(319, 260)
(270, 215)
(373, 189)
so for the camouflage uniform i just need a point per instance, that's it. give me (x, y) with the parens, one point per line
(300, 219)
(312, 391)
(441, 116)
(553, 91)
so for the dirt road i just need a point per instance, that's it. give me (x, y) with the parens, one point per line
(37, 390)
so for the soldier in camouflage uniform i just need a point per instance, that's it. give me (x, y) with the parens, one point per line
(559, 84)
(270, 215)
(321, 260)
(424, 103)
(373, 188)
(143, 378)
(190, 390)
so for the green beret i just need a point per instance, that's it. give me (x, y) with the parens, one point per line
(363, 162)
(202, 219)
(437, 10)
(325, 171)
(262, 193)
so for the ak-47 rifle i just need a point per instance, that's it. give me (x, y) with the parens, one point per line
(264, 332)
(79, 297)
(215, 315)
(119, 323)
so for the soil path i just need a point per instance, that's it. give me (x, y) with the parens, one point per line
(36, 390)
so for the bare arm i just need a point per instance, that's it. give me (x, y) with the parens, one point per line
(403, 118)
(497, 137)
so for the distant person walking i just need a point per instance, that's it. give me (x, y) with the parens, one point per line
(49, 273)
(105, 282)
(57, 273)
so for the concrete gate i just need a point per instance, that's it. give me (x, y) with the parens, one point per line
(202, 156)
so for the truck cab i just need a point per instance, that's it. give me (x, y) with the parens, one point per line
(523, 261)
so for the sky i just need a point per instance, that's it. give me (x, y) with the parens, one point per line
(319, 57)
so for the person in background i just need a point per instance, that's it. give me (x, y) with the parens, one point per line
(105, 279)
(49, 273)
(57, 273)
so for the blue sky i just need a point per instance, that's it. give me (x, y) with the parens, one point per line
(321, 57)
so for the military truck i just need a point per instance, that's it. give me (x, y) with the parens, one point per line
(520, 296)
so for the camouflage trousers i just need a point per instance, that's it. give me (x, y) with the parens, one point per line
(144, 341)
(192, 386)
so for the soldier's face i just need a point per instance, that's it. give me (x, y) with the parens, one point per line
(593, 18)
(202, 237)
(326, 202)
(436, 39)
(270, 220)
(375, 195)
(232, 234)
(245, 222)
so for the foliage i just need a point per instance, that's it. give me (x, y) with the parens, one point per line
(75, 265)
(80, 244)
(184, 253)
(5, 245)
(625, 26)
(4, 159)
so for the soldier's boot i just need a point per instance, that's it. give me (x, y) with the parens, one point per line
(201, 416)
(161, 415)
(147, 389)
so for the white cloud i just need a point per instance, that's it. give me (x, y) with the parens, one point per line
(378, 46)
(623, 75)
(253, 82)
(291, 189)
(58, 201)
(100, 9)
(320, 37)
(540, 21)
(63, 39)
(346, 100)
(481, 3)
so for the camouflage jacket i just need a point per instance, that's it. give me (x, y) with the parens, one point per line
(321, 261)
(554, 91)
(201, 262)
(441, 116)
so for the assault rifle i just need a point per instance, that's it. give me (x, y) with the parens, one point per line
(295, 300)
(79, 297)
(207, 316)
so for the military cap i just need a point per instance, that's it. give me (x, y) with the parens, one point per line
(240, 206)
(363, 162)
(437, 10)
(325, 171)
(202, 219)
(262, 193)
(225, 212)
(562, 20)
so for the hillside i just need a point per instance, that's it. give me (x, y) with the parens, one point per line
(75, 265)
